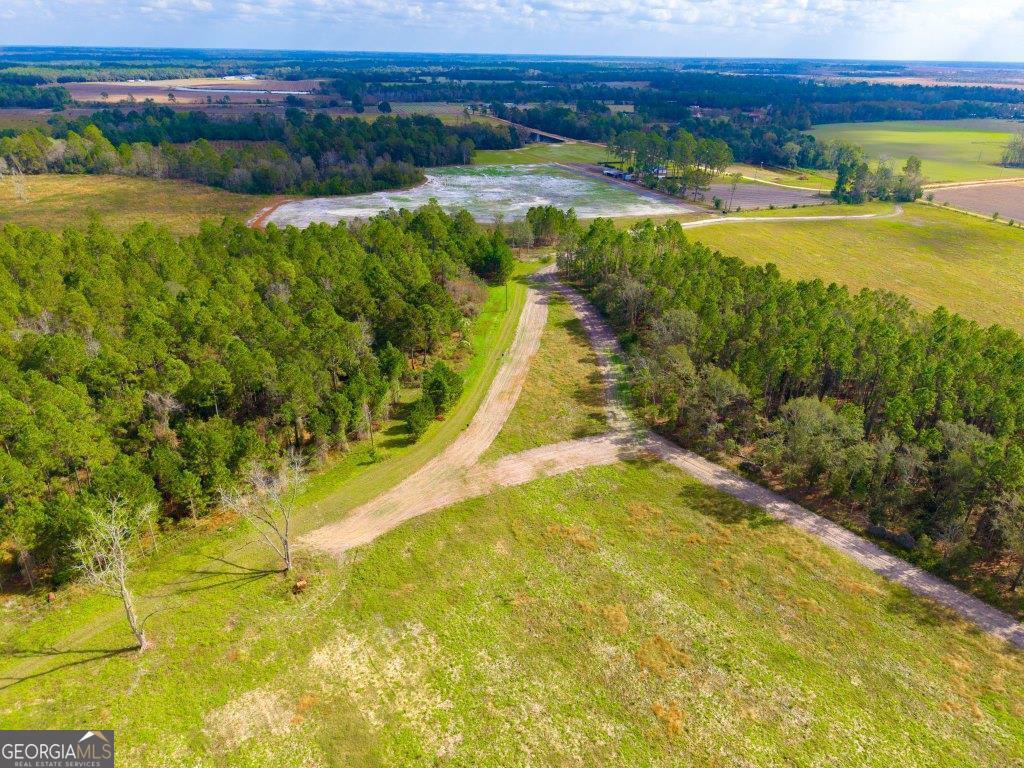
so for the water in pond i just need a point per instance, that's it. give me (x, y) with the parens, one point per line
(486, 190)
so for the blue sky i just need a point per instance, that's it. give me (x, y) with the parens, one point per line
(989, 30)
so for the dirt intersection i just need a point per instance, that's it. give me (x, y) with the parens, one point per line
(457, 474)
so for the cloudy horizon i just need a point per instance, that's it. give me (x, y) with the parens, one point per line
(833, 29)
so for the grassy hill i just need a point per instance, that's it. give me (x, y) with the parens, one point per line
(934, 257)
(950, 150)
(622, 615)
(59, 201)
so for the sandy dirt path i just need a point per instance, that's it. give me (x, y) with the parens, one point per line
(435, 482)
(456, 474)
(896, 211)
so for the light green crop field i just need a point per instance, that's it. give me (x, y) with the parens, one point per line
(950, 150)
(933, 256)
(562, 396)
(619, 616)
(542, 152)
(54, 201)
(795, 177)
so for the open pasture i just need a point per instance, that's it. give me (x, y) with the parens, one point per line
(792, 177)
(933, 256)
(619, 616)
(56, 201)
(950, 150)
(544, 152)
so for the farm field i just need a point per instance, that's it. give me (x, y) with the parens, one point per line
(446, 112)
(544, 152)
(797, 177)
(189, 91)
(933, 256)
(487, 191)
(750, 195)
(562, 397)
(59, 201)
(950, 150)
(1005, 199)
(623, 615)
(827, 208)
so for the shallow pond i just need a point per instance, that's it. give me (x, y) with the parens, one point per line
(485, 191)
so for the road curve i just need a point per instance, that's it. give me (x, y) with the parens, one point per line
(457, 475)
(438, 480)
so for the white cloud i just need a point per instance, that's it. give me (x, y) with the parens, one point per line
(941, 29)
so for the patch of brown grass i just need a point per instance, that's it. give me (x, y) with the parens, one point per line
(661, 657)
(615, 616)
(574, 534)
(862, 588)
(641, 511)
(522, 599)
(671, 717)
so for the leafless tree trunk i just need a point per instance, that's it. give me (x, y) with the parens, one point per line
(104, 555)
(269, 503)
(27, 564)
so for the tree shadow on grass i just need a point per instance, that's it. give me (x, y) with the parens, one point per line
(724, 508)
(902, 602)
(233, 575)
(88, 655)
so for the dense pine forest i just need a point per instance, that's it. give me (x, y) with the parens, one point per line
(302, 153)
(154, 369)
(916, 420)
(17, 94)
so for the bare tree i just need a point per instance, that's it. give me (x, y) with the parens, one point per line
(269, 502)
(105, 552)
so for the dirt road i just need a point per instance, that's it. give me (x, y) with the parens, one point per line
(436, 483)
(456, 474)
(897, 211)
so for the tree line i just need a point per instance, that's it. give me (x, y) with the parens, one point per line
(157, 372)
(16, 94)
(915, 421)
(302, 154)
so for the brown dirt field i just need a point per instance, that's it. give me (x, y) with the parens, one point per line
(1006, 199)
(752, 195)
(159, 90)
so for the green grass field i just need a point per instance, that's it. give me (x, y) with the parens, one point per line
(826, 208)
(950, 150)
(933, 256)
(541, 152)
(623, 615)
(120, 202)
(795, 177)
(562, 397)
